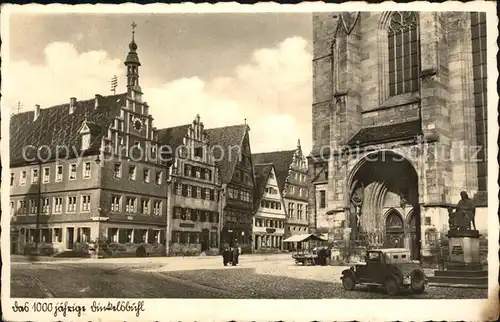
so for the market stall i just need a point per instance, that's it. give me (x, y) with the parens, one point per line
(304, 254)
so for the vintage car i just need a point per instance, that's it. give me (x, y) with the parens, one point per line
(391, 268)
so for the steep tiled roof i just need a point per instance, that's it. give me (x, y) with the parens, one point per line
(225, 142)
(261, 172)
(389, 132)
(56, 127)
(281, 161)
(173, 138)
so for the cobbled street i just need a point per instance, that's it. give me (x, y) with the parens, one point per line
(266, 276)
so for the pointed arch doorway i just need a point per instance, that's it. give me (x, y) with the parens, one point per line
(383, 190)
(394, 230)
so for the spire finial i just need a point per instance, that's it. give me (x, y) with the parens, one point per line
(134, 25)
(298, 143)
(133, 45)
(245, 121)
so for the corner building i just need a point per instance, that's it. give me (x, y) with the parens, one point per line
(107, 183)
(395, 96)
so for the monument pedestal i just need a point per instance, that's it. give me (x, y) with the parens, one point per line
(463, 266)
(463, 247)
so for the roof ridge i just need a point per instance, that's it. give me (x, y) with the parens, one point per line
(222, 127)
(279, 151)
(78, 101)
(174, 127)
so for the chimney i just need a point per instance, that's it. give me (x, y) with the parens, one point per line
(37, 112)
(97, 100)
(72, 105)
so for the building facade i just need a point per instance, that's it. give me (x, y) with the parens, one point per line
(194, 203)
(270, 215)
(293, 182)
(96, 177)
(231, 150)
(396, 96)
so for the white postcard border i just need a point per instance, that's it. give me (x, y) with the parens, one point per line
(265, 310)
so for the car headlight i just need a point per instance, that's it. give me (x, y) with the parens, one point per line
(407, 279)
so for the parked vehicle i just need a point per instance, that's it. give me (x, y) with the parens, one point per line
(303, 255)
(390, 268)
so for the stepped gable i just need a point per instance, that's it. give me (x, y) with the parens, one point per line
(55, 126)
(225, 143)
(261, 172)
(281, 161)
(171, 139)
(387, 133)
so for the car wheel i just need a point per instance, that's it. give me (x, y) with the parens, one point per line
(348, 283)
(419, 290)
(417, 283)
(391, 286)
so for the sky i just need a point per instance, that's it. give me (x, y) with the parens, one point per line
(226, 67)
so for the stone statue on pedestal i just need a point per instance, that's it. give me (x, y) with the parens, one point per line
(466, 205)
(464, 216)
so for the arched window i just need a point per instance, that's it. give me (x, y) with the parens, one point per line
(394, 222)
(404, 52)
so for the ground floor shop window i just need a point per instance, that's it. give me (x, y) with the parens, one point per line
(140, 235)
(125, 236)
(186, 237)
(83, 235)
(193, 238)
(113, 235)
(156, 236)
(176, 237)
(268, 241)
(57, 236)
(46, 236)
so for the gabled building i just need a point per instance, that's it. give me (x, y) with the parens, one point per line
(231, 150)
(292, 176)
(96, 176)
(270, 215)
(194, 205)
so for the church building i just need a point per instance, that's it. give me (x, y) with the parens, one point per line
(399, 100)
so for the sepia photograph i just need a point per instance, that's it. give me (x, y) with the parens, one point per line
(315, 154)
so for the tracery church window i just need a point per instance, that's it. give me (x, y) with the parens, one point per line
(404, 53)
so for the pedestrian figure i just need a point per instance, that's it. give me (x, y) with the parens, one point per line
(235, 253)
(226, 254)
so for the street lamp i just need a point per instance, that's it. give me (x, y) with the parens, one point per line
(221, 215)
(171, 180)
(99, 217)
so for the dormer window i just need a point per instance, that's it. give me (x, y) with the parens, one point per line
(85, 141)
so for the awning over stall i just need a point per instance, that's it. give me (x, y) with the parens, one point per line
(303, 237)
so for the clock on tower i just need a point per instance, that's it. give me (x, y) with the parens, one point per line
(138, 124)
